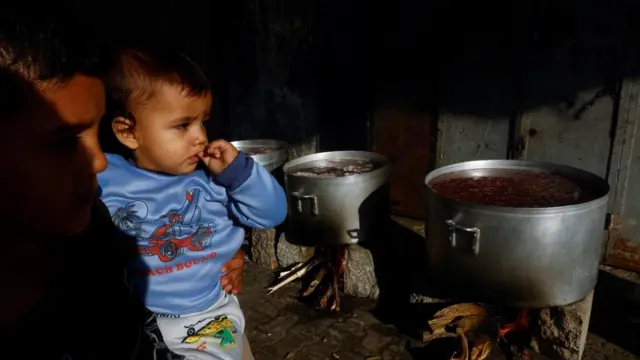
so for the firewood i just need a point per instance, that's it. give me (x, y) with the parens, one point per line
(325, 298)
(316, 281)
(336, 291)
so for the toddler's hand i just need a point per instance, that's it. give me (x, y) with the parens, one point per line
(217, 155)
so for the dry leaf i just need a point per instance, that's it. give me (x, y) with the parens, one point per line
(436, 334)
(481, 348)
(440, 323)
(470, 323)
(464, 309)
(445, 316)
(465, 317)
(464, 347)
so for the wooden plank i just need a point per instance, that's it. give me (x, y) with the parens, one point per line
(403, 136)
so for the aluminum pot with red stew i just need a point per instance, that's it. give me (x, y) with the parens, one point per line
(517, 233)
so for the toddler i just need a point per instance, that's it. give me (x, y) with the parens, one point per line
(182, 198)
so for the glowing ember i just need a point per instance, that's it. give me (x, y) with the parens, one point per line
(519, 325)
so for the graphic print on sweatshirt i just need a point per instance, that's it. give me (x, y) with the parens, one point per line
(172, 234)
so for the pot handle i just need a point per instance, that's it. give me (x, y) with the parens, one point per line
(475, 246)
(299, 198)
(353, 234)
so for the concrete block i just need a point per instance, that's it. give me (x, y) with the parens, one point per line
(359, 275)
(266, 253)
(561, 332)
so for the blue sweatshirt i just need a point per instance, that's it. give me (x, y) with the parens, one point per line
(186, 227)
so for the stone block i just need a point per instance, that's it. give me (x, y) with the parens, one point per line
(359, 275)
(561, 332)
(289, 254)
(266, 253)
(263, 244)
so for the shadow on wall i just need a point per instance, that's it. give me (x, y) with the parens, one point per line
(482, 57)
(474, 58)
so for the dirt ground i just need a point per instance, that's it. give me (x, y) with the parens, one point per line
(280, 327)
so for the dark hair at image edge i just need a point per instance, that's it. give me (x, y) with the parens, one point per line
(43, 47)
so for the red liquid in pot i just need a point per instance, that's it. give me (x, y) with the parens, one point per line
(513, 188)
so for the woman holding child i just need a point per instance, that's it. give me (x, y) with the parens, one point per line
(63, 273)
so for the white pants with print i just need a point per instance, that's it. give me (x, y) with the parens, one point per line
(216, 333)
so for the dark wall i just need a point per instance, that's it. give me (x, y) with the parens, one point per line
(294, 69)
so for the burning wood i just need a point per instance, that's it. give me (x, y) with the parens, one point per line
(328, 279)
(477, 328)
(520, 329)
(325, 282)
(519, 325)
(316, 281)
(324, 299)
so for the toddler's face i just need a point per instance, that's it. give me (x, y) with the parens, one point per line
(170, 130)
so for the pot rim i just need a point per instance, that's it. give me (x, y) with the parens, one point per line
(276, 157)
(336, 155)
(281, 146)
(601, 185)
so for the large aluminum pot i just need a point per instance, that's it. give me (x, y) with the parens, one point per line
(272, 159)
(337, 211)
(524, 257)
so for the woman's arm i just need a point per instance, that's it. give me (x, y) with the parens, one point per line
(233, 271)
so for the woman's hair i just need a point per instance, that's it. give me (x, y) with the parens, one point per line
(44, 47)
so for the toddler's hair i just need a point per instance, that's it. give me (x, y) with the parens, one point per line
(137, 73)
(135, 76)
